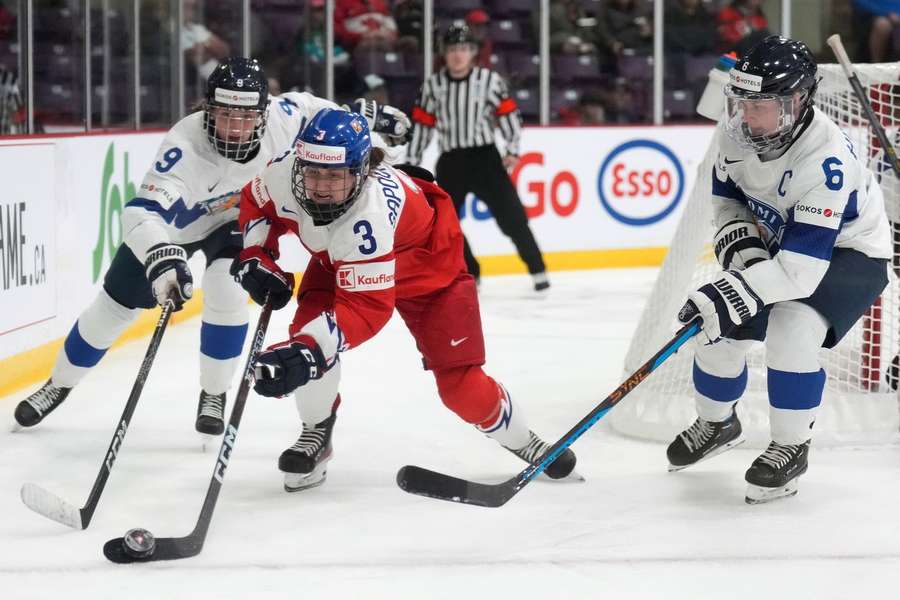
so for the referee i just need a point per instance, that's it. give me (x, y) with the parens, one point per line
(464, 103)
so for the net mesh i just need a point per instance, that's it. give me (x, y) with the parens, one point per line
(858, 406)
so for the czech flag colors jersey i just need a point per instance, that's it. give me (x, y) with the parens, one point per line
(400, 239)
(815, 197)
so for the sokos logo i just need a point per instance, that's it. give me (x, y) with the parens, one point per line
(640, 182)
(112, 199)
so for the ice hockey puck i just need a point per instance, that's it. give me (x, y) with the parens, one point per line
(139, 543)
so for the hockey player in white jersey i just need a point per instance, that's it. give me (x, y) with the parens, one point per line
(803, 241)
(188, 201)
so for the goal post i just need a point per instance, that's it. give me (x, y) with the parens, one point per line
(858, 406)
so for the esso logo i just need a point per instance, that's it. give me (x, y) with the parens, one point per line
(640, 182)
(561, 189)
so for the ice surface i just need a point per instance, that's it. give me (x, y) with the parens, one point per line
(632, 531)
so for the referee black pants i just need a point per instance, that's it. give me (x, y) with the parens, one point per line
(480, 170)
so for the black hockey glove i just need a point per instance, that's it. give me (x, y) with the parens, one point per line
(282, 368)
(392, 123)
(723, 305)
(168, 274)
(258, 273)
(738, 245)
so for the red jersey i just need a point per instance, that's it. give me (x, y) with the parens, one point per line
(400, 239)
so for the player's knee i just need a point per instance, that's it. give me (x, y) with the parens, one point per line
(224, 301)
(794, 336)
(724, 359)
(469, 392)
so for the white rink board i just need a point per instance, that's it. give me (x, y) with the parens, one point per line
(586, 189)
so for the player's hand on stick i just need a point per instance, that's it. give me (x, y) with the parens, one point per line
(738, 244)
(258, 273)
(392, 123)
(723, 305)
(282, 368)
(169, 275)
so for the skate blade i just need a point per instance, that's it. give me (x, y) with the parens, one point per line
(297, 482)
(760, 495)
(208, 442)
(16, 428)
(716, 452)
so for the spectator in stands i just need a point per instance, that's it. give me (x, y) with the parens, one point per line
(203, 48)
(375, 89)
(590, 110)
(478, 20)
(619, 103)
(874, 23)
(572, 31)
(7, 23)
(741, 25)
(364, 25)
(625, 25)
(311, 39)
(409, 17)
(12, 110)
(690, 29)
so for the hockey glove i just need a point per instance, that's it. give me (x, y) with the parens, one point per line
(168, 274)
(257, 273)
(392, 123)
(282, 368)
(723, 305)
(739, 245)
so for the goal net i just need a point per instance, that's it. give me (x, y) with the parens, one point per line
(858, 407)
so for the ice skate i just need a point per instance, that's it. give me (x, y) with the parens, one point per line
(305, 463)
(211, 414)
(703, 440)
(38, 405)
(776, 473)
(562, 467)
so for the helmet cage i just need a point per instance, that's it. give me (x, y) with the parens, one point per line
(233, 124)
(324, 212)
(787, 121)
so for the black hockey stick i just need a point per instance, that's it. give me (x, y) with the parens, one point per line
(52, 506)
(423, 482)
(191, 544)
(838, 48)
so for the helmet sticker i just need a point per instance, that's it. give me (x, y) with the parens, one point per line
(333, 155)
(236, 98)
(745, 81)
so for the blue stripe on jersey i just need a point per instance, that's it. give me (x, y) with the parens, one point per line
(222, 342)
(721, 389)
(727, 188)
(795, 391)
(79, 352)
(809, 240)
(851, 211)
(178, 213)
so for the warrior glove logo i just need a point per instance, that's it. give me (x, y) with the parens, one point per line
(734, 298)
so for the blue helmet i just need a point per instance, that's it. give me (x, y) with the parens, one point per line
(333, 139)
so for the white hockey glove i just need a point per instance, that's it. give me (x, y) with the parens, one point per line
(738, 245)
(723, 305)
(168, 274)
(392, 123)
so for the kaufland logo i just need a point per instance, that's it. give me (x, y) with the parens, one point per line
(349, 279)
(321, 154)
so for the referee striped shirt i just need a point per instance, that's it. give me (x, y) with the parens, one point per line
(10, 103)
(464, 112)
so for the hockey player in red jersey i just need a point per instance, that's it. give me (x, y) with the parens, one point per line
(380, 239)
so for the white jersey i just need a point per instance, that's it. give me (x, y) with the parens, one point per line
(191, 190)
(815, 197)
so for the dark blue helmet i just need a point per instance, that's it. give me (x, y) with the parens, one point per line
(234, 114)
(779, 73)
(331, 163)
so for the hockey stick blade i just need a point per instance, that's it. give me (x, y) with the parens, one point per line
(52, 506)
(190, 545)
(48, 505)
(431, 484)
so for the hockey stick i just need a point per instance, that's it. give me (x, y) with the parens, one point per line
(190, 545)
(52, 506)
(838, 48)
(423, 482)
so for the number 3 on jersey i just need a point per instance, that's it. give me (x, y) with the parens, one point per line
(364, 229)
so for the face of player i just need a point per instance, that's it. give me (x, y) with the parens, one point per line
(766, 117)
(327, 186)
(460, 58)
(234, 125)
